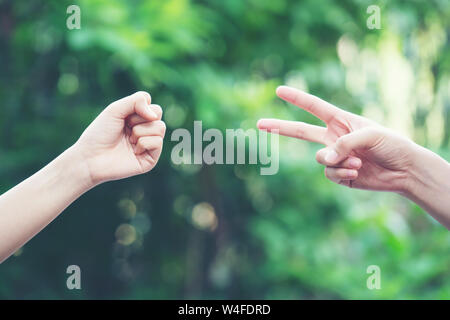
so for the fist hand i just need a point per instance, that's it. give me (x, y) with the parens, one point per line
(359, 153)
(126, 139)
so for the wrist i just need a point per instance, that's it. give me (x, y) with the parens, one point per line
(80, 169)
(414, 175)
(428, 183)
(424, 172)
(417, 175)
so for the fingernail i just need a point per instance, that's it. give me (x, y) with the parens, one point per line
(331, 156)
(262, 124)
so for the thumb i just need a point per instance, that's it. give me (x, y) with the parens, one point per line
(137, 103)
(344, 145)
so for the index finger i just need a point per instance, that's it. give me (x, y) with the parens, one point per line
(321, 109)
(294, 129)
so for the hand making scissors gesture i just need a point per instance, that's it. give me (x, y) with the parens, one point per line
(360, 153)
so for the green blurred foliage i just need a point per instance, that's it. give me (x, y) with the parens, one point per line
(224, 231)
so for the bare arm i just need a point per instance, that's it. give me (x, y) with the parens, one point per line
(124, 140)
(360, 153)
(429, 184)
(33, 204)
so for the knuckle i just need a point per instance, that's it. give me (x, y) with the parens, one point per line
(160, 127)
(300, 133)
(142, 93)
(341, 142)
(158, 107)
(297, 100)
(163, 127)
(141, 96)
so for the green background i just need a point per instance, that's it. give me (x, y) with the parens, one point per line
(225, 231)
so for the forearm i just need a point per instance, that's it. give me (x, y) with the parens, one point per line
(429, 184)
(33, 204)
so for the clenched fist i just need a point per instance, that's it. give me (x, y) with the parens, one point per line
(126, 139)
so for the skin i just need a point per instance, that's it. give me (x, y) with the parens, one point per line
(125, 140)
(360, 153)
